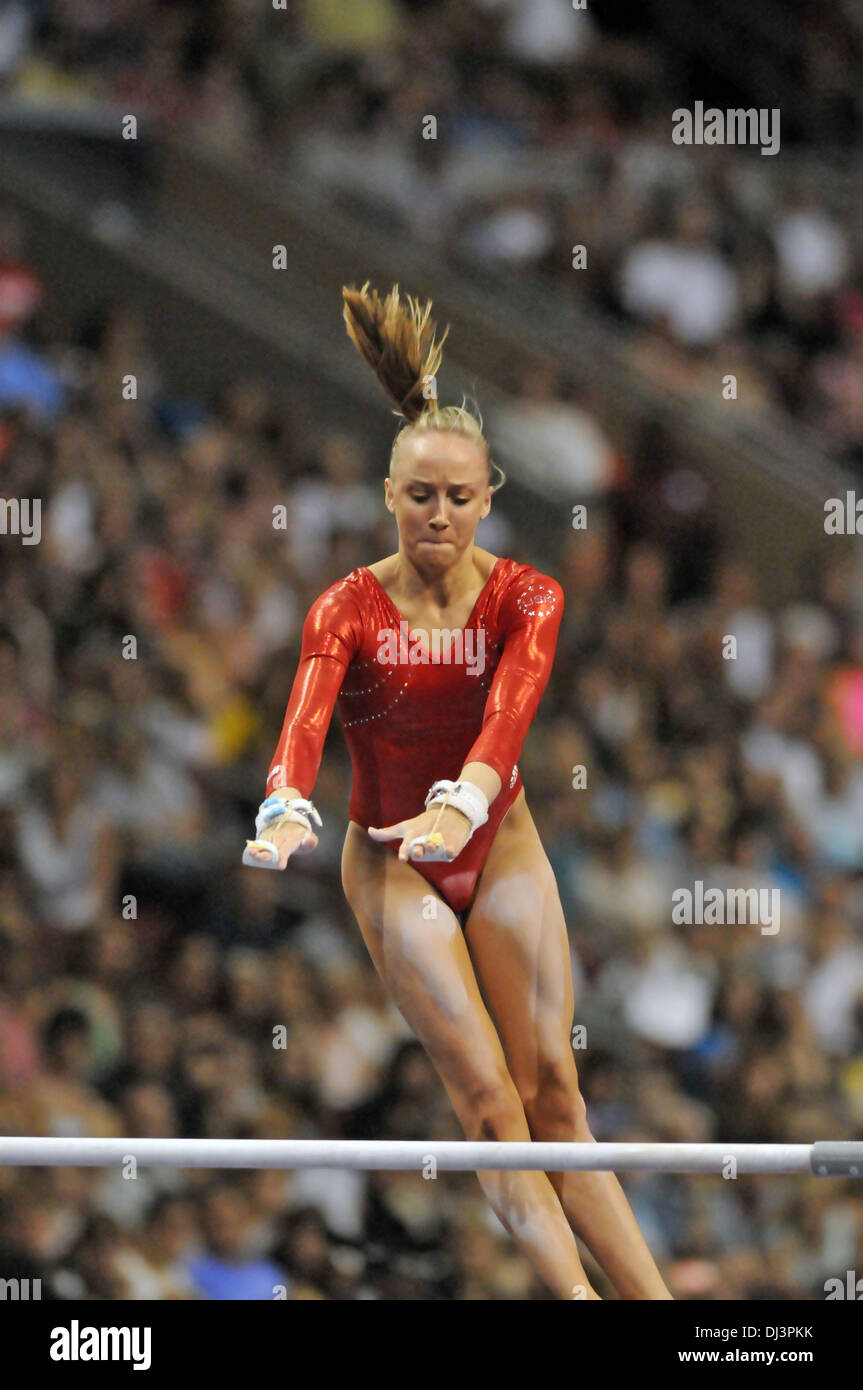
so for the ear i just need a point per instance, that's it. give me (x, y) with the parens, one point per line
(388, 495)
(486, 507)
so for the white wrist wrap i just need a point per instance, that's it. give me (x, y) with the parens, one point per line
(464, 797)
(283, 810)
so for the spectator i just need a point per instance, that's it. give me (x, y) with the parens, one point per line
(225, 1270)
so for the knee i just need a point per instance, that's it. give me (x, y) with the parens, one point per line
(556, 1109)
(492, 1109)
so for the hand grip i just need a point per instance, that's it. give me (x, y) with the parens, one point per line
(433, 849)
(252, 863)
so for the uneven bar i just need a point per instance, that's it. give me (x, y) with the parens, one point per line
(836, 1159)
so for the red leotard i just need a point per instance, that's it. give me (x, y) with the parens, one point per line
(408, 725)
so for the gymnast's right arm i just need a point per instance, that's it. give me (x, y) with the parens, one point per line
(331, 635)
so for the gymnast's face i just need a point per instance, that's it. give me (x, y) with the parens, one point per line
(439, 492)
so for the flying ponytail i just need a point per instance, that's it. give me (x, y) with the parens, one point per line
(399, 342)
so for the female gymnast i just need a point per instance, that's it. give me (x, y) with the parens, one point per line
(438, 656)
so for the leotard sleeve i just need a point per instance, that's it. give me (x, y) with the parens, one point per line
(531, 613)
(331, 635)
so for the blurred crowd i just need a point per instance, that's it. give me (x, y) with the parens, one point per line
(505, 134)
(151, 987)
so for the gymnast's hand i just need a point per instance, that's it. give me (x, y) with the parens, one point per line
(292, 838)
(453, 826)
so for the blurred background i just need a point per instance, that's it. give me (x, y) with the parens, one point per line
(142, 971)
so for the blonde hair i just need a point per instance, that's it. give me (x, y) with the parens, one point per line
(399, 343)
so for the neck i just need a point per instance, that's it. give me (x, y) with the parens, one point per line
(442, 586)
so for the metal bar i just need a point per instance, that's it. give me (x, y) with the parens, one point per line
(837, 1159)
(428, 1155)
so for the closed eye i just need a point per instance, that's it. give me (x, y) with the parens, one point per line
(459, 501)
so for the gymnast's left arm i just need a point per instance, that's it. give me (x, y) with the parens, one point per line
(532, 613)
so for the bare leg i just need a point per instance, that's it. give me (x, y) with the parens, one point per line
(517, 939)
(426, 968)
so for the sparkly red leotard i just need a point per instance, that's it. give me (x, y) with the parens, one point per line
(409, 719)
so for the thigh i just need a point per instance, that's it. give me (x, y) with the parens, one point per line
(417, 946)
(517, 938)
